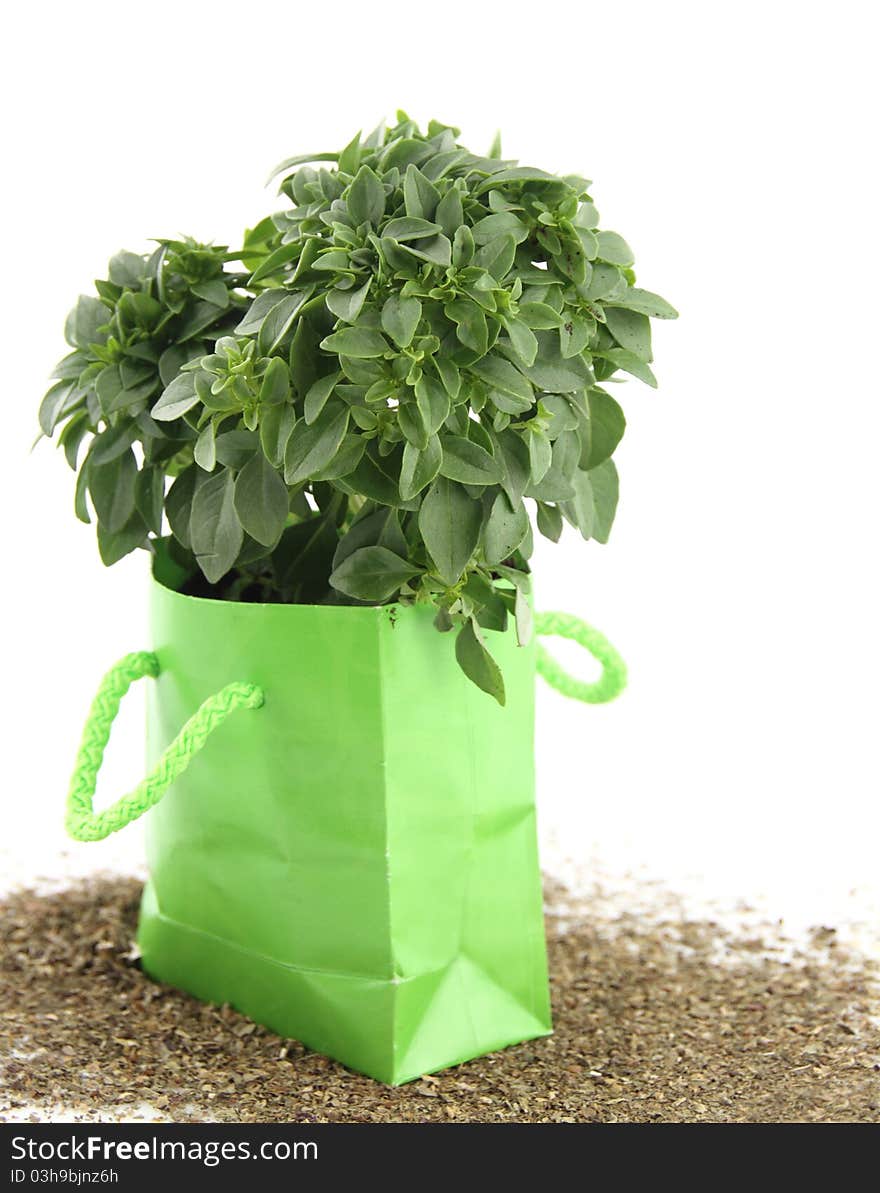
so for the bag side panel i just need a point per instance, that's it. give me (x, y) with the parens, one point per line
(466, 905)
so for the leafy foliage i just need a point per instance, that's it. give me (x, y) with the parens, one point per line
(407, 354)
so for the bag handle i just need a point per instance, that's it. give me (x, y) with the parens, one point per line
(84, 824)
(81, 821)
(610, 683)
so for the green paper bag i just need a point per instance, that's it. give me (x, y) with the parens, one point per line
(355, 864)
(352, 859)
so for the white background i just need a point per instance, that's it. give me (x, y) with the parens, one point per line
(734, 146)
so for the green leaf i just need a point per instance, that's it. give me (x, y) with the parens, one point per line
(519, 579)
(171, 360)
(436, 249)
(112, 489)
(179, 397)
(588, 245)
(496, 256)
(316, 398)
(605, 487)
(53, 405)
(347, 304)
(645, 303)
(84, 322)
(539, 316)
(579, 511)
(72, 436)
(359, 342)
(202, 316)
(365, 532)
(593, 507)
(276, 425)
(400, 152)
(377, 477)
(301, 159)
(372, 574)
(419, 468)
(275, 261)
(522, 610)
(503, 378)
(476, 662)
(301, 560)
(258, 311)
(366, 198)
(522, 339)
(276, 326)
(505, 529)
(400, 318)
(349, 159)
(607, 424)
(126, 269)
(490, 608)
(345, 461)
(410, 228)
(551, 371)
(443, 620)
(555, 484)
(392, 535)
(570, 257)
(631, 330)
(235, 448)
(115, 545)
(261, 500)
(613, 248)
(433, 402)
(134, 372)
(334, 261)
(630, 363)
(205, 451)
(606, 281)
(275, 387)
(513, 456)
(420, 195)
(149, 495)
(311, 448)
(560, 413)
(517, 174)
(450, 523)
(213, 291)
(450, 213)
(540, 453)
(462, 247)
(501, 223)
(467, 462)
(411, 422)
(549, 521)
(109, 444)
(178, 504)
(574, 335)
(471, 327)
(80, 502)
(449, 374)
(215, 530)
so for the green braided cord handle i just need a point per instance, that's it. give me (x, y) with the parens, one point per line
(610, 683)
(81, 821)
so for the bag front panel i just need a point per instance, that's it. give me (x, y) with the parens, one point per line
(274, 839)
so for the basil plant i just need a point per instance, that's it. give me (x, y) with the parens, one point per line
(374, 397)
